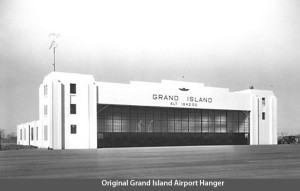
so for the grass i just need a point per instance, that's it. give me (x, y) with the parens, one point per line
(14, 146)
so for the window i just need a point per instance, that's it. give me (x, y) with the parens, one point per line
(263, 115)
(45, 133)
(263, 101)
(24, 134)
(147, 119)
(73, 129)
(32, 133)
(45, 90)
(73, 88)
(20, 134)
(45, 110)
(37, 133)
(73, 108)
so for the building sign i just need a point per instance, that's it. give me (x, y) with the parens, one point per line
(175, 100)
(148, 94)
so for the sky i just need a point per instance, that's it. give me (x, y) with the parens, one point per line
(222, 43)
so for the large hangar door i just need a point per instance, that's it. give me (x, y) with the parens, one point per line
(138, 126)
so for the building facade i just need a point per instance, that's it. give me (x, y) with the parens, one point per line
(77, 112)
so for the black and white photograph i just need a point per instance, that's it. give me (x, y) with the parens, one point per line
(150, 95)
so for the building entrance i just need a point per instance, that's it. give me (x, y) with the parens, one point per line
(135, 126)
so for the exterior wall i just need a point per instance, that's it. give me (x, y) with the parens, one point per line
(263, 131)
(31, 134)
(53, 129)
(274, 121)
(54, 126)
(59, 119)
(92, 115)
(148, 94)
(82, 118)
(23, 138)
(44, 99)
(58, 127)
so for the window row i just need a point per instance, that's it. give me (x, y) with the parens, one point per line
(31, 133)
(129, 119)
(171, 126)
(73, 130)
(72, 106)
(72, 89)
(177, 114)
(73, 109)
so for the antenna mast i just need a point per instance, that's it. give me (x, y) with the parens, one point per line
(53, 45)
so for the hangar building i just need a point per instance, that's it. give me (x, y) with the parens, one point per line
(77, 112)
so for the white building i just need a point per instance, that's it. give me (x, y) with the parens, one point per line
(76, 112)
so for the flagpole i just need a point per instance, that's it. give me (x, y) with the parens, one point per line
(54, 59)
(54, 44)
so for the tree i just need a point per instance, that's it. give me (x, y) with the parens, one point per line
(298, 138)
(2, 134)
(11, 135)
(282, 134)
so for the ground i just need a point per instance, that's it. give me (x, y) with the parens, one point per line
(14, 146)
(230, 162)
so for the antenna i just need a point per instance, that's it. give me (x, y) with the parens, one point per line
(53, 45)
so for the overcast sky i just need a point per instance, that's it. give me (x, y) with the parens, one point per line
(222, 43)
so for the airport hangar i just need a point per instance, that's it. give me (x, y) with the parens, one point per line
(77, 112)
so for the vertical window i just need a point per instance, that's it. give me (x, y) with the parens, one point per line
(45, 133)
(263, 115)
(20, 134)
(174, 115)
(45, 90)
(73, 129)
(184, 120)
(32, 133)
(217, 121)
(192, 124)
(204, 122)
(263, 101)
(45, 110)
(198, 121)
(223, 121)
(73, 88)
(24, 134)
(73, 108)
(211, 121)
(37, 133)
